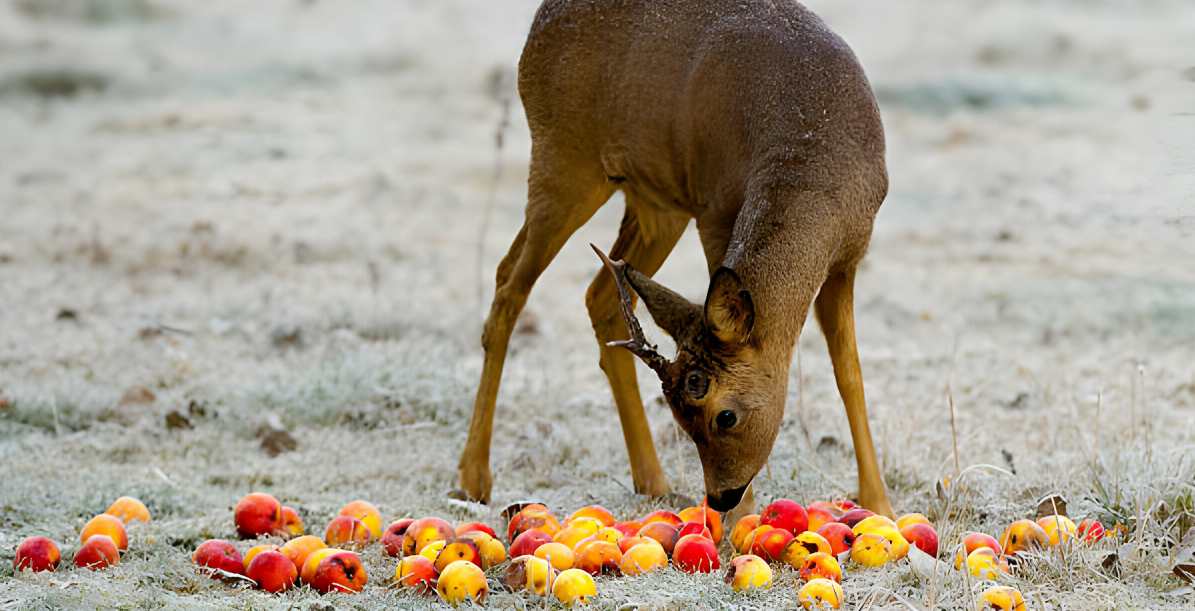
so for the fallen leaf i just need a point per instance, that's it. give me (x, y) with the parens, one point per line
(137, 395)
(175, 420)
(66, 314)
(510, 510)
(1051, 505)
(1111, 564)
(1186, 572)
(277, 441)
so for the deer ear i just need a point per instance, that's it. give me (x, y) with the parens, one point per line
(729, 310)
(672, 312)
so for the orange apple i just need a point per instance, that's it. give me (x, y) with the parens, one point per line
(748, 572)
(534, 516)
(871, 550)
(105, 524)
(973, 541)
(821, 593)
(347, 532)
(1023, 535)
(462, 581)
(417, 573)
(459, 548)
(424, 531)
(742, 528)
(818, 516)
(596, 512)
(299, 548)
(701, 513)
(629, 528)
(128, 509)
(559, 555)
(597, 557)
(644, 558)
(574, 586)
(367, 513)
(292, 524)
(664, 533)
(662, 515)
(821, 564)
(529, 573)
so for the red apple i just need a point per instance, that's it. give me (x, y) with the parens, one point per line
(664, 533)
(98, 552)
(475, 526)
(785, 514)
(37, 554)
(272, 571)
(770, 544)
(392, 537)
(258, 514)
(840, 536)
(526, 543)
(219, 554)
(696, 554)
(694, 528)
(662, 515)
(418, 573)
(340, 572)
(1090, 530)
(854, 516)
(923, 536)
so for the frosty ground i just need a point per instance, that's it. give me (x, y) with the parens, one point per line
(279, 214)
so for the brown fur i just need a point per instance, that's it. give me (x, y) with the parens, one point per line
(755, 120)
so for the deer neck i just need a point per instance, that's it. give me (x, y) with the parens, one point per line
(781, 246)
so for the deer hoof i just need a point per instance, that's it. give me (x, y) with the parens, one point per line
(475, 483)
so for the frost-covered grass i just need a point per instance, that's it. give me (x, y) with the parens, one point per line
(273, 216)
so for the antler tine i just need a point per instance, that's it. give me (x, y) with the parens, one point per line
(637, 344)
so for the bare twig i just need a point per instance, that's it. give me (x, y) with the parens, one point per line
(487, 212)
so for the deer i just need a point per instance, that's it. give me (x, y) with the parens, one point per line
(750, 118)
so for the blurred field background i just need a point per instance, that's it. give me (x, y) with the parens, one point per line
(220, 219)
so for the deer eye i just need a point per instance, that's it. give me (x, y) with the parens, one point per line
(697, 383)
(726, 419)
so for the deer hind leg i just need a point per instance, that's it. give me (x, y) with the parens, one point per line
(644, 241)
(836, 314)
(561, 198)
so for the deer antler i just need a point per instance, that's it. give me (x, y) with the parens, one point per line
(637, 344)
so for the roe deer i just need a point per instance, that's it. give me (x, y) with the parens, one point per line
(756, 120)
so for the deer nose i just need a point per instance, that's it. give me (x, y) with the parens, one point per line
(727, 499)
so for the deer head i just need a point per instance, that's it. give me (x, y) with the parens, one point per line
(726, 396)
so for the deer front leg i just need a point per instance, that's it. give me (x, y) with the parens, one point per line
(562, 196)
(836, 313)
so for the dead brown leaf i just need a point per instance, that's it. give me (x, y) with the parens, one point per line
(1186, 572)
(137, 395)
(175, 420)
(276, 441)
(1051, 505)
